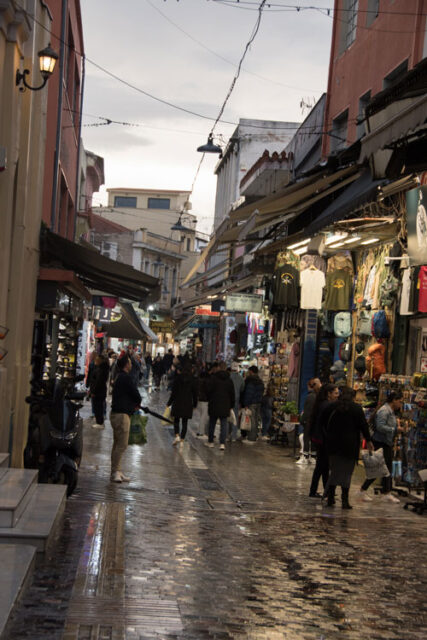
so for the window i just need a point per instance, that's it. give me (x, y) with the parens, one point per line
(348, 17)
(166, 280)
(159, 203)
(188, 244)
(174, 283)
(146, 266)
(396, 75)
(125, 201)
(372, 11)
(339, 131)
(363, 103)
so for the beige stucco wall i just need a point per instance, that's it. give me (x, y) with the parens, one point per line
(22, 132)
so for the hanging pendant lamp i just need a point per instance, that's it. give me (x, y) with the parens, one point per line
(210, 147)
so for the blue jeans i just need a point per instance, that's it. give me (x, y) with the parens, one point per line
(223, 433)
(266, 421)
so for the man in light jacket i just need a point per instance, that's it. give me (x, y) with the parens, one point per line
(385, 429)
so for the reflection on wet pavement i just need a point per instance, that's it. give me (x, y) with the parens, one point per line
(210, 544)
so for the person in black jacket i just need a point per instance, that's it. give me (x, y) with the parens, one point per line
(220, 393)
(343, 423)
(314, 386)
(252, 394)
(183, 400)
(98, 390)
(327, 393)
(158, 371)
(125, 400)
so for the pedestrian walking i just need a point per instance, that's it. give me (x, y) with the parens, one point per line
(90, 371)
(238, 384)
(343, 422)
(220, 402)
(202, 403)
(313, 385)
(158, 371)
(266, 412)
(385, 429)
(183, 400)
(327, 394)
(126, 398)
(135, 372)
(251, 399)
(98, 390)
(148, 365)
(167, 361)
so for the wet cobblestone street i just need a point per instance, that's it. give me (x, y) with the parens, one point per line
(222, 545)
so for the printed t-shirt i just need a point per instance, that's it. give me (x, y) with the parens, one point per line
(312, 283)
(338, 289)
(285, 288)
(422, 299)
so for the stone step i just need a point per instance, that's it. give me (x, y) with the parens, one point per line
(16, 563)
(4, 459)
(16, 489)
(37, 525)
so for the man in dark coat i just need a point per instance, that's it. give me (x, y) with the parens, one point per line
(183, 400)
(125, 399)
(167, 361)
(158, 371)
(251, 399)
(98, 390)
(313, 385)
(220, 393)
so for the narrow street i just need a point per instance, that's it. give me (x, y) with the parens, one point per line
(210, 544)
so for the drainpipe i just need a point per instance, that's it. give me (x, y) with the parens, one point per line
(78, 147)
(59, 115)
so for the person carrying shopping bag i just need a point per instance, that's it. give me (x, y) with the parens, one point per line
(220, 401)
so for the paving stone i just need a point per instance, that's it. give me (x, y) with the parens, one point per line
(205, 545)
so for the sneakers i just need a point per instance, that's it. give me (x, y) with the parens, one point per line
(98, 426)
(390, 498)
(123, 477)
(116, 477)
(176, 441)
(209, 444)
(246, 441)
(265, 438)
(222, 447)
(363, 495)
(302, 460)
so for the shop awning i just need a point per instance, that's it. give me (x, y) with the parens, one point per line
(129, 326)
(97, 271)
(411, 116)
(362, 191)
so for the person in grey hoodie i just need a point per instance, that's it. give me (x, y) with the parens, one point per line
(238, 383)
(384, 431)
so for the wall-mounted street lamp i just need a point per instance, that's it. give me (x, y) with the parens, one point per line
(47, 61)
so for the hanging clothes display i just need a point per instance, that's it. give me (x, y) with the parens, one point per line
(338, 290)
(285, 287)
(309, 260)
(312, 282)
(405, 296)
(422, 290)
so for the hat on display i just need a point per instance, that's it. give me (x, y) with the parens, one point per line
(337, 366)
(360, 347)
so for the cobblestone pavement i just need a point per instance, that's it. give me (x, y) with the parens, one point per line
(204, 544)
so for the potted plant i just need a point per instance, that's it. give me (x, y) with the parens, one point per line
(290, 409)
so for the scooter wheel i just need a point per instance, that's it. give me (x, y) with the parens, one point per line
(68, 476)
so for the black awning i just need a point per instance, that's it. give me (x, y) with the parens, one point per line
(98, 271)
(129, 327)
(359, 193)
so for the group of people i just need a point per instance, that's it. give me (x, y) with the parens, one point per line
(220, 392)
(333, 425)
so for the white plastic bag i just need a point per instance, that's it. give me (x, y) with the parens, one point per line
(375, 466)
(245, 419)
(232, 417)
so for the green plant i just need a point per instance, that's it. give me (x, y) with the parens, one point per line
(290, 408)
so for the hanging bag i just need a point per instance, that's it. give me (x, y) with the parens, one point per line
(137, 431)
(342, 324)
(375, 466)
(364, 324)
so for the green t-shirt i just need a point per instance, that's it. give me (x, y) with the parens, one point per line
(338, 290)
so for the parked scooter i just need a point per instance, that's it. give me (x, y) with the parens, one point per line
(55, 441)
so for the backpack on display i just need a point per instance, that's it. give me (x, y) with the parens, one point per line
(364, 324)
(345, 351)
(380, 328)
(342, 324)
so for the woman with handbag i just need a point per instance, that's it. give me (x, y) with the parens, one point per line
(344, 423)
(183, 400)
(385, 428)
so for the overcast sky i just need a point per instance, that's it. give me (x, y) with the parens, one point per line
(287, 62)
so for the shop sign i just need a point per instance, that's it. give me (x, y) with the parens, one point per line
(102, 314)
(416, 220)
(206, 311)
(244, 302)
(163, 326)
